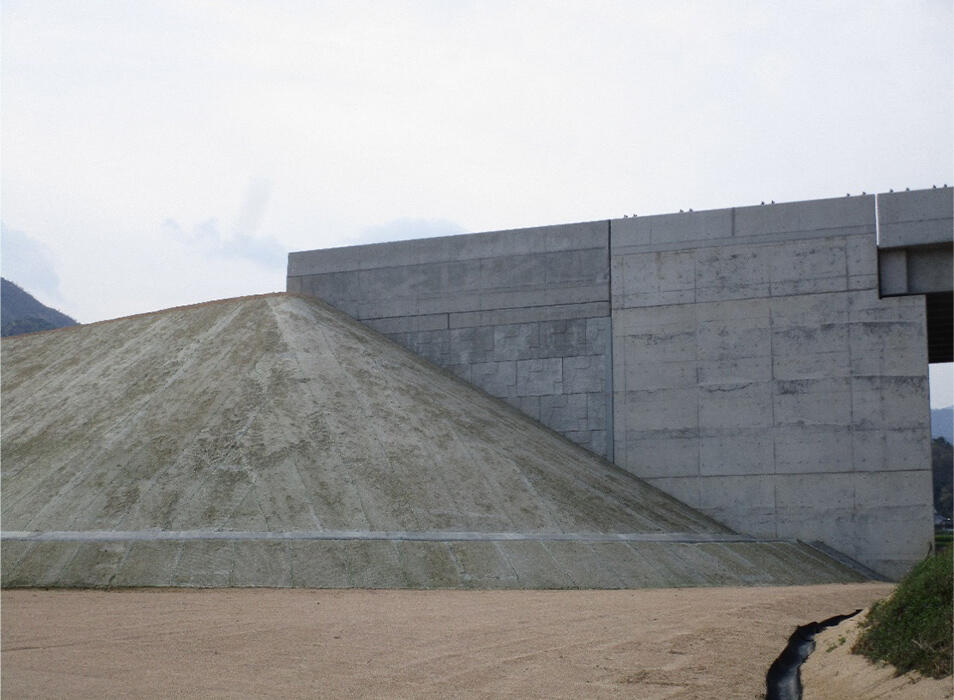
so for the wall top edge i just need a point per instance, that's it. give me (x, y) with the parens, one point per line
(805, 218)
(587, 235)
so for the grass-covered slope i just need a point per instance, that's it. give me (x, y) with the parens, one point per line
(273, 441)
(912, 629)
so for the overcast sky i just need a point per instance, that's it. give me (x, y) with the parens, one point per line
(163, 153)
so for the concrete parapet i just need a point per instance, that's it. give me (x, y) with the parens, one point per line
(924, 217)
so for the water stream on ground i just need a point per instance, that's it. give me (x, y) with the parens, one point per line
(784, 678)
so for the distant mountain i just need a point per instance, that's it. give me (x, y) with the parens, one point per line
(21, 313)
(942, 423)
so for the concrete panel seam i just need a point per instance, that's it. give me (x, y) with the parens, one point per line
(371, 535)
(759, 239)
(610, 383)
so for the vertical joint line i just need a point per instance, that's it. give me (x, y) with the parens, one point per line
(610, 380)
(877, 222)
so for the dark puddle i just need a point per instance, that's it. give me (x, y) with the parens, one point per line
(784, 678)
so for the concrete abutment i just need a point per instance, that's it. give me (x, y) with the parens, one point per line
(748, 361)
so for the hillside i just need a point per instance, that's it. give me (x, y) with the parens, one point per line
(942, 423)
(274, 441)
(21, 313)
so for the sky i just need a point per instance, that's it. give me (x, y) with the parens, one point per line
(164, 152)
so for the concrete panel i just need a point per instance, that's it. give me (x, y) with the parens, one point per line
(148, 564)
(867, 338)
(483, 565)
(813, 402)
(893, 488)
(842, 215)
(893, 272)
(734, 406)
(404, 324)
(733, 272)
(821, 338)
(809, 267)
(599, 444)
(866, 306)
(736, 453)
(428, 564)
(659, 409)
(540, 377)
(654, 279)
(374, 565)
(921, 217)
(891, 449)
(722, 340)
(890, 402)
(672, 228)
(11, 554)
(686, 489)
(808, 310)
(741, 370)
(582, 565)
(646, 320)
(565, 413)
(261, 563)
(597, 410)
(599, 334)
(663, 453)
(205, 564)
(817, 506)
(802, 449)
(319, 564)
(500, 317)
(514, 273)
(930, 269)
(470, 345)
(517, 341)
(530, 405)
(738, 501)
(496, 378)
(41, 565)
(669, 343)
(584, 374)
(93, 566)
(542, 239)
(813, 366)
(861, 254)
(563, 338)
(660, 375)
(532, 563)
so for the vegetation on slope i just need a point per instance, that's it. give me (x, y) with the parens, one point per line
(912, 629)
(942, 464)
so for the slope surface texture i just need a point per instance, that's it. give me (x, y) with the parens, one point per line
(273, 441)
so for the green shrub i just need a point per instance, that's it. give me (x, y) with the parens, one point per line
(942, 540)
(912, 629)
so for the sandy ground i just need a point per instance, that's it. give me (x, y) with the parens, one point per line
(832, 672)
(663, 643)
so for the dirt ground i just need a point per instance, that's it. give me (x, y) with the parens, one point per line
(664, 643)
(832, 672)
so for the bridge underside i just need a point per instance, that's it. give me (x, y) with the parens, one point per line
(940, 326)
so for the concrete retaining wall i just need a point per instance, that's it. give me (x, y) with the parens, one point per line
(524, 315)
(759, 378)
(740, 359)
